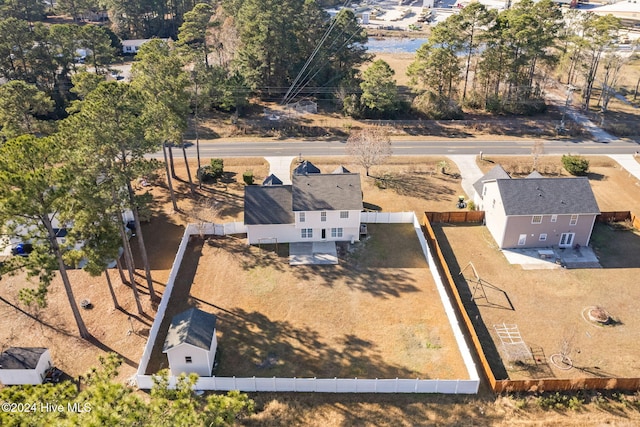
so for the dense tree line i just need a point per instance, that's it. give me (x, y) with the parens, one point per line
(503, 61)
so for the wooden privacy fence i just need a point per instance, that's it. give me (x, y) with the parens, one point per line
(619, 217)
(532, 385)
(455, 216)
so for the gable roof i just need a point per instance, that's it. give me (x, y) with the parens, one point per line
(547, 196)
(534, 174)
(497, 172)
(268, 205)
(305, 168)
(194, 326)
(272, 180)
(316, 192)
(341, 169)
(21, 357)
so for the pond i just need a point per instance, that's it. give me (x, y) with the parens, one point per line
(395, 44)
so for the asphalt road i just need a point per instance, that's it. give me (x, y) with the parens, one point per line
(222, 148)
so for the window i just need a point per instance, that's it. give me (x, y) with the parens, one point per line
(536, 219)
(344, 214)
(323, 216)
(522, 239)
(302, 217)
(493, 204)
(573, 220)
(554, 218)
(543, 237)
(306, 233)
(484, 191)
(187, 359)
(336, 232)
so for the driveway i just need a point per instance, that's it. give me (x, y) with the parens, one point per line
(628, 162)
(469, 171)
(280, 166)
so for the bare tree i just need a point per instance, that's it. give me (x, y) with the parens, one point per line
(369, 147)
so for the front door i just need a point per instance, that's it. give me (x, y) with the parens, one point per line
(566, 240)
(324, 233)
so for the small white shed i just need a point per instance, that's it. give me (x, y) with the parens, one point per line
(191, 343)
(24, 365)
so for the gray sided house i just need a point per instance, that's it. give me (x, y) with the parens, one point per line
(191, 343)
(315, 207)
(537, 212)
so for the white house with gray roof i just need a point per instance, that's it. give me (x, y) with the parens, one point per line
(537, 212)
(191, 343)
(315, 207)
(24, 365)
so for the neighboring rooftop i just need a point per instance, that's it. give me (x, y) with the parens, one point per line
(317, 192)
(547, 196)
(21, 357)
(194, 326)
(341, 169)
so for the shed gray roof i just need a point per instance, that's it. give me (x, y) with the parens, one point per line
(547, 196)
(497, 172)
(317, 192)
(305, 168)
(268, 205)
(272, 180)
(194, 326)
(21, 357)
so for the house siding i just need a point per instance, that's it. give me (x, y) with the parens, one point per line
(201, 360)
(495, 217)
(288, 233)
(517, 225)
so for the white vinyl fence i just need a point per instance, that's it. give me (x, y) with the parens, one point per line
(322, 385)
(387, 217)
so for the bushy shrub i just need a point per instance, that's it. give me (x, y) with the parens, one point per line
(217, 168)
(575, 165)
(205, 174)
(247, 177)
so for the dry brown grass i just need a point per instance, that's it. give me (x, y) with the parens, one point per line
(375, 315)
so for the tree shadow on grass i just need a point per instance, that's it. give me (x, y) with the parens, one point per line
(178, 302)
(420, 185)
(488, 346)
(248, 339)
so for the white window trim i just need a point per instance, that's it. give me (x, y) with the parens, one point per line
(301, 217)
(323, 216)
(337, 232)
(573, 220)
(306, 233)
(543, 237)
(523, 240)
(344, 214)
(536, 222)
(554, 218)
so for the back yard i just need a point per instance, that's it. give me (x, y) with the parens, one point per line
(375, 315)
(550, 306)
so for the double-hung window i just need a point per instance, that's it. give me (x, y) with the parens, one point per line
(336, 232)
(306, 233)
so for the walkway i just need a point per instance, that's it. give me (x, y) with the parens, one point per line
(469, 171)
(628, 162)
(598, 134)
(281, 167)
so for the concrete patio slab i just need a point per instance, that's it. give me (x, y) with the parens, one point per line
(313, 253)
(540, 258)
